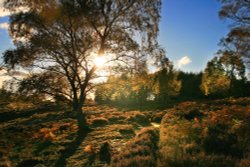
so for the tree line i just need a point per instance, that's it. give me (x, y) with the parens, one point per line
(224, 76)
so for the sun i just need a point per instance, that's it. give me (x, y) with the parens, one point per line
(100, 61)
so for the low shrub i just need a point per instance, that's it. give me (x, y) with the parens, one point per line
(141, 151)
(99, 122)
(139, 118)
(117, 119)
(200, 160)
(194, 134)
(30, 162)
(157, 117)
(127, 131)
(244, 162)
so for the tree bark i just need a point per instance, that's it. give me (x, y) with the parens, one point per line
(80, 116)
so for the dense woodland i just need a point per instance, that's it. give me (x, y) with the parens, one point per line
(91, 86)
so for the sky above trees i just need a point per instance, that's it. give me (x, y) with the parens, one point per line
(189, 31)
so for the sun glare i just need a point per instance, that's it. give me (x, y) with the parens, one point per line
(100, 61)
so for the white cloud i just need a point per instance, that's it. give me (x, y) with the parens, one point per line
(4, 25)
(183, 61)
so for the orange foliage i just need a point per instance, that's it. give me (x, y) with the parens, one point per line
(52, 132)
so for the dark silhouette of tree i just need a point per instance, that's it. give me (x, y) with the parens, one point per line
(61, 39)
(165, 83)
(190, 85)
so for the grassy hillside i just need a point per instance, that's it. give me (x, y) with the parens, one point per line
(206, 134)
(41, 135)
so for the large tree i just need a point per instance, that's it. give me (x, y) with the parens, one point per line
(222, 75)
(166, 84)
(237, 40)
(214, 81)
(190, 85)
(62, 38)
(236, 10)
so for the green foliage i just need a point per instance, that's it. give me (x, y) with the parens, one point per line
(215, 84)
(224, 76)
(165, 83)
(140, 88)
(124, 90)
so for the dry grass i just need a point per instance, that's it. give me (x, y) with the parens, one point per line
(140, 151)
(96, 122)
(42, 136)
(206, 134)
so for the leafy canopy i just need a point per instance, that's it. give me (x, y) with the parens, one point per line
(61, 38)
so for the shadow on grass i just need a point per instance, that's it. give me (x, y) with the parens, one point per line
(9, 116)
(72, 147)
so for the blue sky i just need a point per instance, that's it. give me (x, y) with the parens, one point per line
(5, 41)
(190, 31)
(191, 28)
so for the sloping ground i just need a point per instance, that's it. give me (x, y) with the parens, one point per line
(109, 125)
(206, 134)
(35, 139)
(141, 151)
(213, 133)
(38, 137)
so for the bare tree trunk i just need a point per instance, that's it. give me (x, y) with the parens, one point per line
(79, 99)
(80, 116)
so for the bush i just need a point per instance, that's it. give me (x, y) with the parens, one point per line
(219, 141)
(140, 151)
(157, 117)
(200, 160)
(99, 122)
(244, 162)
(127, 131)
(30, 162)
(116, 119)
(139, 118)
(205, 135)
